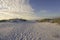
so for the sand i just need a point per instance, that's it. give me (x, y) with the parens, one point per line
(29, 31)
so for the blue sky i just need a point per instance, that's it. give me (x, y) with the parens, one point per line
(46, 8)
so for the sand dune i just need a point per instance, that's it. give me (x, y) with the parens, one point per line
(29, 31)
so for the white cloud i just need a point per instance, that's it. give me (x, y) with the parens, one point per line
(48, 14)
(43, 11)
(16, 9)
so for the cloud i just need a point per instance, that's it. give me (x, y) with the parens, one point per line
(43, 14)
(48, 14)
(16, 9)
(43, 11)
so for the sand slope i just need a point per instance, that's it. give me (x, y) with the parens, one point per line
(29, 31)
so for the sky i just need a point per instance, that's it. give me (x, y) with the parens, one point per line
(16, 9)
(29, 9)
(46, 8)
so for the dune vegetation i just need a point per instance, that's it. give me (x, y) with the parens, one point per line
(57, 20)
(13, 20)
(54, 20)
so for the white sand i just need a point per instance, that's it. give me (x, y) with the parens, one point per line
(29, 31)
